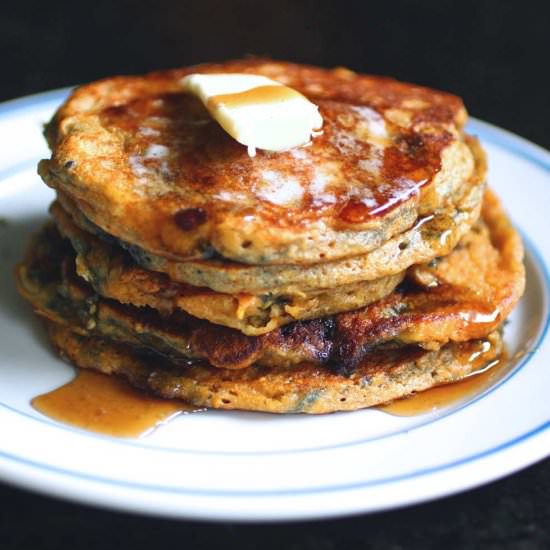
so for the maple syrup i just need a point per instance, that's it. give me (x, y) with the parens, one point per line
(255, 96)
(107, 405)
(440, 397)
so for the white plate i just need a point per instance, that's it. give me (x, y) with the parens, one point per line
(247, 466)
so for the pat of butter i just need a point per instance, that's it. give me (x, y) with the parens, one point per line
(255, 110)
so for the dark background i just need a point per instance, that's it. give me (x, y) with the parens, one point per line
(495, 54)
(492, 53)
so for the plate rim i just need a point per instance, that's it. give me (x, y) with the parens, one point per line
(502, 138)
(543, 331)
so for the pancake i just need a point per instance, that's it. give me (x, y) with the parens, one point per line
(146, 163)
(49, 283)
(113, 274)
(383, 376)
(463, 296)
(431, 236)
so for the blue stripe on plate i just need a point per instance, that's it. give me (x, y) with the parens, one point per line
(515, 370)
(283, 492)
(487, 132)
(15, 169)
(31, 101)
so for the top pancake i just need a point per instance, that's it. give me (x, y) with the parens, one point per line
(147, 164)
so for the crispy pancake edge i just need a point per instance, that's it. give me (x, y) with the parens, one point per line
(425, 315)
(394, 256)
(113, 274)
(306, 389)
(105, 191)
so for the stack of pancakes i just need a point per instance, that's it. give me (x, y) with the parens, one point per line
(365, 266)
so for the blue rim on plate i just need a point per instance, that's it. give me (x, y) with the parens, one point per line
(488, 133)
(452, 410)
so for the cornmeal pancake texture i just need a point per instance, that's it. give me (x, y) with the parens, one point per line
(433, 235)
(475, 286)
(382, 377)
(146, 163)
(463, 296)
(364, 266)
(114, 274)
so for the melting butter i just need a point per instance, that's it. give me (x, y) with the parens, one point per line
(256, 111)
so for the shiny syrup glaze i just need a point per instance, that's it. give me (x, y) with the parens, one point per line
(218, 172)
(107, 405)
(440, 397)
(110, 406)
(254, 96)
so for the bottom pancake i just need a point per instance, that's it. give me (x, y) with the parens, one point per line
(381, 377)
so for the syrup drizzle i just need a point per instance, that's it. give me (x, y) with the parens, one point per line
(254, 96)
(108, 405)
(441, 397)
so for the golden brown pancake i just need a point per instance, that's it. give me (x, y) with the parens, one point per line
(433, 235)
(382, 376)
(144, 161)
(113, 274)
(338, 275)
(463, 296)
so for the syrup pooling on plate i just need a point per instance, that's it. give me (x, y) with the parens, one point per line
(108, 405)
(440, 397)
